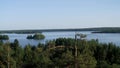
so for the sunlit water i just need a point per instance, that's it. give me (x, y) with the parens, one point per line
(102, 37)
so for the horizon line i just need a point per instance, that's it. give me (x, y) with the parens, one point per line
(56, 28)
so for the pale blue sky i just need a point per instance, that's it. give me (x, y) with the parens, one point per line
(55, 14)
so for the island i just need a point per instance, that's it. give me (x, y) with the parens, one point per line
(4, 37)
(37, 36)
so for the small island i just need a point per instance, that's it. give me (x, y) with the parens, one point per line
(37, 36)
(4, 37)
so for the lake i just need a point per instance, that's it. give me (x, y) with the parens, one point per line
(102, 37)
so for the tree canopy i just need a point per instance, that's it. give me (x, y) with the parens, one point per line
(37, 36)
(60, 53)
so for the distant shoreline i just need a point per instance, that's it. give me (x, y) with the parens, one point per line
(95, 30)
(105, 32)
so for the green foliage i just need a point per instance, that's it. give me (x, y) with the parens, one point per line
(103, 64)
(29, 37)
(36, 36)
(65, 42)
(60, 53)
(4, 37)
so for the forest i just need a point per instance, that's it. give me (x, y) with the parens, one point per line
(60, 53)
(37, 36)
(4, 37)
(95, 30)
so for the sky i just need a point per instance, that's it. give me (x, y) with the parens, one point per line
(58, 14)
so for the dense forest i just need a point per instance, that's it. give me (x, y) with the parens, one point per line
(96, 30)
(60, 53)
(37, 36)
(4, 37)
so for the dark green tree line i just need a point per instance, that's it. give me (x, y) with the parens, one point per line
(60, 53)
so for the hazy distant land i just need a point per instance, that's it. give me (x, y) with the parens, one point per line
(95, 30)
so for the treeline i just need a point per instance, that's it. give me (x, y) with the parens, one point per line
(4, 37)
(60, 53)
(37, 36)
(100, 30)
(107, 30)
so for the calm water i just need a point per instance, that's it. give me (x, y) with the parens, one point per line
(103, 38)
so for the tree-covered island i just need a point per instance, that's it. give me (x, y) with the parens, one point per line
(4, 37)
(37, 36)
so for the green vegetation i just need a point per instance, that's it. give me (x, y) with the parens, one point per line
(4, 37)
(108, 31)
(36, 36)
(60, 53)
(29, 37)
(97, 30)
